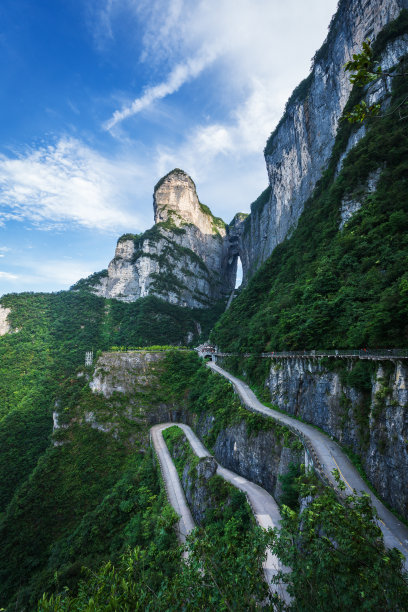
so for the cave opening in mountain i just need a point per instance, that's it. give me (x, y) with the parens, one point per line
(238, 279)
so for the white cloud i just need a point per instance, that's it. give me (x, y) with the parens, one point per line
(68, 182)
(7, 275)
(265, 40)
(181, 74)
(259, 52)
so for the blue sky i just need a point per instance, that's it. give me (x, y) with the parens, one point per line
(100, 98)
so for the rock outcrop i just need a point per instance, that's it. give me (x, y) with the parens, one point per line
(370, 419)
(298, 150)
(4, 324)
(183, 259)
(260, 457)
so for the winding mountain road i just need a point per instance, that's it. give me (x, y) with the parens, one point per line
(330, 457)
(263, 505)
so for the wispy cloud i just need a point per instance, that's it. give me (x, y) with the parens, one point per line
(181, 74)
(62, 272)
(8, 276)
(260, 53)
(68, 182)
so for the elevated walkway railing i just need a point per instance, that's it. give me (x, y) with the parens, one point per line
(374, 354)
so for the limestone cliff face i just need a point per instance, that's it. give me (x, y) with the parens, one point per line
(372, 423)
(261, 458)
(299, 148)
(4, 324)
(183, 258)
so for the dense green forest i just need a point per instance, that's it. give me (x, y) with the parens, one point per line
(325, 288)
(54, 332)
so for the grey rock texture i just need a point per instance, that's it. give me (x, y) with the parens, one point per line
(127, 373)
(300, 147)
(195, 479)
(4, 324)
(184, 259)
(351, 205)
(133, 375)
(373, 424)
(261, 458)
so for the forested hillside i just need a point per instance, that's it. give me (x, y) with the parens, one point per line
(39, 358)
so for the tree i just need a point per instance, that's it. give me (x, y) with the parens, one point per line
(365, 71)
(337, 555)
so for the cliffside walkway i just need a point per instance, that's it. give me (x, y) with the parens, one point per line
(263, 505)
(371, 354)
(326, 455)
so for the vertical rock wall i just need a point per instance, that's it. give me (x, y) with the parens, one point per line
(298, 150)
(372, 422)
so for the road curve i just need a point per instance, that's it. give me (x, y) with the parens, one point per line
(331, 457)
(263, 505)
(172, 482)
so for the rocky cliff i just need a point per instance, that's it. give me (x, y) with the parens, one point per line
(4, 324)
(298, 150)
(260, 457)
(363, 406)
(184, 258)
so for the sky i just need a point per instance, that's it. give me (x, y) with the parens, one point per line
(100, 98)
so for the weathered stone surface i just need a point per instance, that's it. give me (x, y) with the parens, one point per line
(127, 373)
(300, 147)
(4, 324)
(135, 375)
(184, 258)
(261, 458)
(307, 389)
(196, 487)
(349, 205)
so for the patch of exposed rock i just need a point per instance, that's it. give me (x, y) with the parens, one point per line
(4, 324)
(260, 457)
(300, 147)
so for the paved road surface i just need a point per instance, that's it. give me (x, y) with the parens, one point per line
(263, 505)
(331, 457)
(175, 492)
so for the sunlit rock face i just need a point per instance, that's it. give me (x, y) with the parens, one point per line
(183, 258)
(4, 324)
(298, 150)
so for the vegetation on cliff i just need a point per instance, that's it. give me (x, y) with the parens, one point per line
(324, 287)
